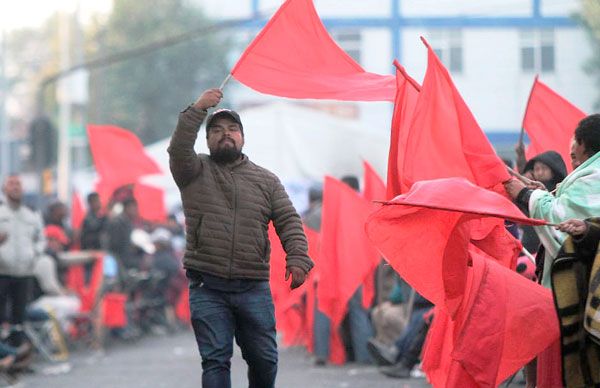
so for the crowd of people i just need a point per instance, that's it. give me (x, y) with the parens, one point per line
(221, 255)
(126, 255)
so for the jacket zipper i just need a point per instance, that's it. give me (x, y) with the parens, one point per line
(235, 194)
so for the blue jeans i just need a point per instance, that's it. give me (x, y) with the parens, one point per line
(249, 316)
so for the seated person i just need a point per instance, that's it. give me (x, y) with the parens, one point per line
(49, 294)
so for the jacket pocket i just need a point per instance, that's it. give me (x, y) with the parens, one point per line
(198, 233)
(266, 248)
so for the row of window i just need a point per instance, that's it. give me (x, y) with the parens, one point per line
(536, 48)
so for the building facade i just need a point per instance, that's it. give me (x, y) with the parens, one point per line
(493, 50)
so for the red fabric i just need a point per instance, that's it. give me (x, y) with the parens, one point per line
(346, 256)
(77, 211)
(119, 155)
(550, 122)
(182, 309)
(549, 366)
(294, 56)
(89, 293)
(458, 194)
(374, 190)
(444, 140)
(57, 233)
(407, 92)
(113, 310)
(151, 202)
(482, 308)
(290, 315)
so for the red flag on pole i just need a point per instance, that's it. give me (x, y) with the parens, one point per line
(550, 121)
(407, 92)
(482, 308)
(77, 211)
(444, 138)
(346, 256)
(119, 156)
(294, 56)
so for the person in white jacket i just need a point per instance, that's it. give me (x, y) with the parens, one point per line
(21, 243)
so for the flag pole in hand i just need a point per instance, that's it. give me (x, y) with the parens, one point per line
(225, 81)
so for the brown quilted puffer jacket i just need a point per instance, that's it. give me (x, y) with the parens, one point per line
(228, 208)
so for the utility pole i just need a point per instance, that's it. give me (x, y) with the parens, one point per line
(4, 133)
(64, 115)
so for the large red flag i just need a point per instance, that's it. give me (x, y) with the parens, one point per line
(120, 159)
(505, 322)
(483, 310)
(404, 106)
(444, 139)
(346, 256)
(419, 235)
(294, 56)
(550, 122)
(119, 156)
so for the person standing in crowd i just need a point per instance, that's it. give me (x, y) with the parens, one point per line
(21, 243)
(576, 197)
(548, 168)
(228, 202)
(93, 224)
(576, 290)
(118, 236)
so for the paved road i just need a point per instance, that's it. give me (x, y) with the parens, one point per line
(172, 361)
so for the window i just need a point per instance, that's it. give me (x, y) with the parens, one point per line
(349, 41)
(537, 51)
(447, 45)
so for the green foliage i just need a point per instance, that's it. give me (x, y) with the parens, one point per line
(146, 93)
(590, 18)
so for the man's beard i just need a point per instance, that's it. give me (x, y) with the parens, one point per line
(225, 155)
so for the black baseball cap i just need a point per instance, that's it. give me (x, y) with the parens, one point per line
(233, 115)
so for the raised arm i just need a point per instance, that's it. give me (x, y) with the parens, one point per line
(183, 160)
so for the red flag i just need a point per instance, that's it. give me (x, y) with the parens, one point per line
(77, 211)
(550, 121)
(151, 202)
(294, 56)
(119, 155)
(505, 322)
(407, 92)
(444, 138)
(480, 342)
(346, 256)
(418, 234)
(374, 190)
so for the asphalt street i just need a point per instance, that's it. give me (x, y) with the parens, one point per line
(173, 361)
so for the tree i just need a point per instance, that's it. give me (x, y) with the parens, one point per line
(590, 18)
(146, 93)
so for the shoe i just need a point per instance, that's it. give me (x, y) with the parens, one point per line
(320, 361)
(398, 371)
(382, 354)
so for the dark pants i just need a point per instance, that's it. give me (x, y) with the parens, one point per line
(249, 316)
(14, 295)
(411, 340)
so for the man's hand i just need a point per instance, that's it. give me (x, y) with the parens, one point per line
(513, 187)
(573, 227)
(536, 185)
(298, 276)
(210, 98)
(3, 237)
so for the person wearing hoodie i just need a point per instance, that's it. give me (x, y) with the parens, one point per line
(550, 169)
